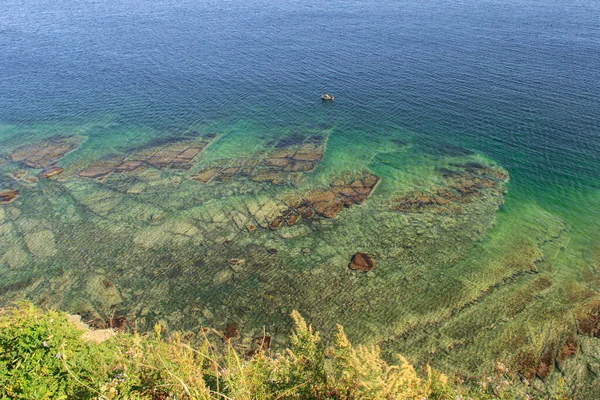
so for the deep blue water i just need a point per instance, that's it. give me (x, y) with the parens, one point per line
(516, 80)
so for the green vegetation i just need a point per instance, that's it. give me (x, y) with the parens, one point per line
(44, 356)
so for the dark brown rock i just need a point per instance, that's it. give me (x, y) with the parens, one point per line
(568, 350)
(305, 211)
(588, 319)
(262, 343)
(118, 323)
(292, 219)
(231, 331)
(8, 196)
(362, 262)
(320, 200)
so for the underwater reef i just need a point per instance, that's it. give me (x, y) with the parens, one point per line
(408, 249)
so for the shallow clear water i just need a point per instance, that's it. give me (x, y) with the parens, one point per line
(417, 85)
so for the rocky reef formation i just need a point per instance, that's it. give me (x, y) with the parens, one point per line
(462, 183)
(343, 192)
(45, 153)
(283, 165)
(178, 155)
(188, 234)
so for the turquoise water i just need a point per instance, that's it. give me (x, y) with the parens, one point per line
(418, 86)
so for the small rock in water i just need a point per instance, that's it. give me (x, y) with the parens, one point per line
(276, 223)
(251, 228)
(292, 219)
(236, 262)
(50, 172)
(8, 196)
(362, 262)
(231, 331)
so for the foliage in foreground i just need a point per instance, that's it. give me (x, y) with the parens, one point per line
(42, 356)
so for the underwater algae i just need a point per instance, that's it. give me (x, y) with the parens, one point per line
(166, 231)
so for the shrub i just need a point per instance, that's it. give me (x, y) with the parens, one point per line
(43, 356)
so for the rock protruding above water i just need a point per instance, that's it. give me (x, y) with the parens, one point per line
(281, 166)
(178, 155)
(8, 196)
(45, 153)
(362, 262)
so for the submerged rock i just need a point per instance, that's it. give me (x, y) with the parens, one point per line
(326, 203)
(8, 196)
(276, 223)
(50, 172)
(251, 228)
(177, 154)
(279, 167)
(45, 153)
(362, 262)
(231, 331)
(96, 171)
(261, 343)
(461, 185)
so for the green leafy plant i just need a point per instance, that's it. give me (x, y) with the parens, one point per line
(44, 355)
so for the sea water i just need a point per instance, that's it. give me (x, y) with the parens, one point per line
(500, 96)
